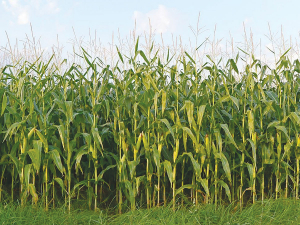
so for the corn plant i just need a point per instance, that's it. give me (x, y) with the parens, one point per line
(149, 134)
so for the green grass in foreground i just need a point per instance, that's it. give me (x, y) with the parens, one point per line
(272, 212)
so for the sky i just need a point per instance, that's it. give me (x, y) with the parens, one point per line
(50, 19)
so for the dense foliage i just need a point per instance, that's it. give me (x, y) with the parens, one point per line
(151, 134)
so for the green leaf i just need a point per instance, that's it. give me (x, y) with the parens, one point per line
(145, 142)
(186, 186)
(16, 163)
(253, 150)
(4, 103)
(100, 176)
(283, 129)
(190, 57)
(200, 115)
(54, 154)
(227, 190)
(120, 54)
(226, 129)
(225, 165)
(191, 135)
(129, 188)
(79, 155)
(144, 57)
(61, 131)
(152, 82)
(235, 101)
(166, 122)
(60, 182)
(97, 138)
(132, 167)
(43, 139)
(35, 154)
(156, 158)
(204, 183)
(33, 193)
(196, 165)
(295, 117)
(232, 63)
(273, 124)
(69, 113)
(168, 167)
(250, 170)
(229, 97)
(27, 173)
(13, 129)
(81, 183)
(87, 138)
(136, 46)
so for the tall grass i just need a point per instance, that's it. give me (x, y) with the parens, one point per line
(271, 212)
(149, 131)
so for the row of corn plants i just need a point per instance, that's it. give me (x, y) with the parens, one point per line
(161, 132)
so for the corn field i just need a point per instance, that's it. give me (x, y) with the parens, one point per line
(153, 135)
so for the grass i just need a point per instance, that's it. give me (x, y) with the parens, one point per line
(272, 212)
(15, 214)
(281, 211)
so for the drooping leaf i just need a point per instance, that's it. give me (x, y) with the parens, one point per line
(226, 187)
(228, 134)
(225, 165)
(36, 154)
(54, 154)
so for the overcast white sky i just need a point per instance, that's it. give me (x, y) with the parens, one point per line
(52, 17)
